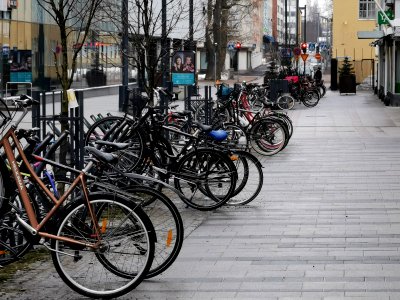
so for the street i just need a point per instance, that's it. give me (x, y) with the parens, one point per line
(325, 226)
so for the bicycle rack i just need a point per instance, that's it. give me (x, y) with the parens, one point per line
(29, 88)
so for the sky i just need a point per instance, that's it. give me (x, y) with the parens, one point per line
(304, 2)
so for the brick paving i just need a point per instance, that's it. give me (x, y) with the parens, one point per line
(326, 225)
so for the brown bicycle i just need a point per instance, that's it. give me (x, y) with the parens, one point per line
(93, 237)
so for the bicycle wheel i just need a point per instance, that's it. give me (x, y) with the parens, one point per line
(14, 240)
(206, 177)
(267, 137)
(237, 136)
(311, 98)
(248, 188)
(118, 129)
(99, 129)
(167, 223)
(285, 102)
(284, 125)
(124, 239)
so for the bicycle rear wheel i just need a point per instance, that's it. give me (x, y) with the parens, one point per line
(167, 223)
(268, 137)
(285, 102)
(250, 178)
(125, 243)
(311, 98)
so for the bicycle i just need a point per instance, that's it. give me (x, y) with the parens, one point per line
(86, 235)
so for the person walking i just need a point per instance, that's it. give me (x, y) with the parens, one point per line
(318, 75)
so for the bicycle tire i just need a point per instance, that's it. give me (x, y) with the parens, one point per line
(284, 126)
(104, 283)
(252, 186)
(217, 172)
(285, 102)
(167, 223)
(310, 98)
(15, 241)
(128, 159)
(166, 220)
(237, 136)
(99, 128)
(267, 137)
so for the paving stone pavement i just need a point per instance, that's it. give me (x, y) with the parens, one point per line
(326, 225)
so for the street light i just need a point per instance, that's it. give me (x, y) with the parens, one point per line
(305, 21)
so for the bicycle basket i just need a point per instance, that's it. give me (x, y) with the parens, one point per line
(138, 102)
(224, 91)
(5, 114)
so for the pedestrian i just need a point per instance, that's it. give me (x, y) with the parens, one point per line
(318, 75)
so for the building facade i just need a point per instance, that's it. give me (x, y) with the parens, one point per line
(350, 17)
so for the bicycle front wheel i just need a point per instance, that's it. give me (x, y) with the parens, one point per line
(207, 178)
(123, 241)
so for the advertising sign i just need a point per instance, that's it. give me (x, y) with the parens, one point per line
(183, 68)
(20, 65)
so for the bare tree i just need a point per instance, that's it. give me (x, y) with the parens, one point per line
(224, 18)
(74, 19)
(145, 36)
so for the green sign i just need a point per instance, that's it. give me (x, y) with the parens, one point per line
(382, 20)
(21, 76)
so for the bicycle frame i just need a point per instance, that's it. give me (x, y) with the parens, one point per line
(35, 227)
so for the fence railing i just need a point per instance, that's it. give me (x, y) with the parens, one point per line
(47, 117)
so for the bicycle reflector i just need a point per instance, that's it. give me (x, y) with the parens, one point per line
(303, 47)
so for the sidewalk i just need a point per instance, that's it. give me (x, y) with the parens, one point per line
(326, 225)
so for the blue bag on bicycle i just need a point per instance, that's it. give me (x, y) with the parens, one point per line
(218, 135)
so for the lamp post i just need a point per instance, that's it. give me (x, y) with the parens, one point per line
(305, 21)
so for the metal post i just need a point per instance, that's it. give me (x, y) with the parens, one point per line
(305, 23)
(191, 46)
(164, 51)
(191, 24)
(215, 62)
(125, 51)
(297, 23)
(286, 25)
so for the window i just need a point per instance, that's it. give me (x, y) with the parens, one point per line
(367, 9)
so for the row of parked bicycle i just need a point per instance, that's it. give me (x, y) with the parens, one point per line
(111, 225)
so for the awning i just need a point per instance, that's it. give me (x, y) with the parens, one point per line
(268, 39)
(375, 34)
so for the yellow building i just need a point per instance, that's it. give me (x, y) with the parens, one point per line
(350, 17)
